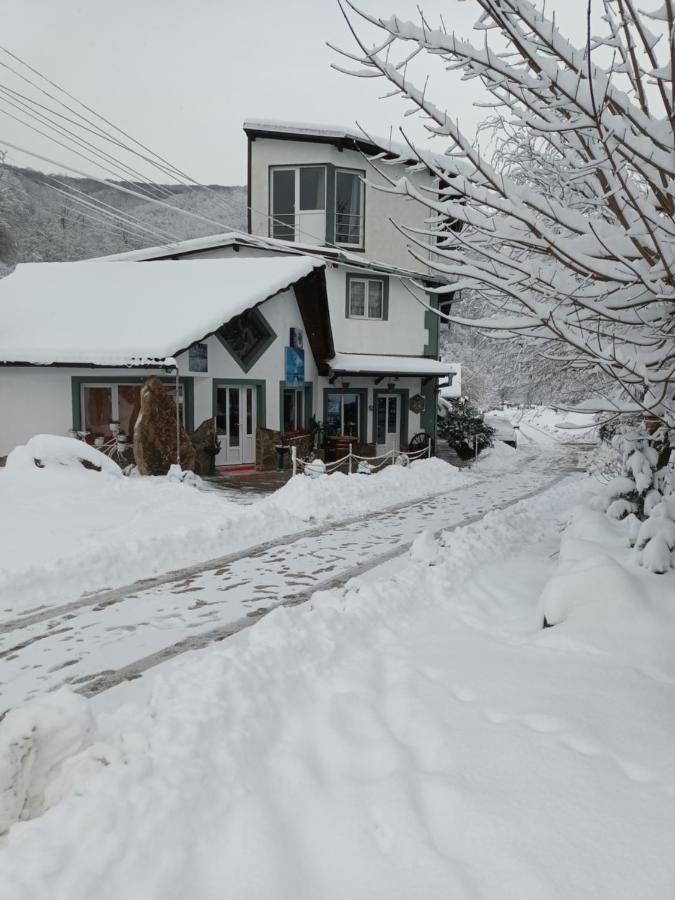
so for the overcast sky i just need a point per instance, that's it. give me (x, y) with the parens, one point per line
(182, 76)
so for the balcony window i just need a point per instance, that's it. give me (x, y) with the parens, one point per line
(348, 209)
(298, 207)
(317, 204)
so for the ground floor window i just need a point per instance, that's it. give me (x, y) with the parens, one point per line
(116, 405)
(293, 412)
(343, 413)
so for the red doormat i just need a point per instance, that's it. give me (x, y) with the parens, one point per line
(222, 470)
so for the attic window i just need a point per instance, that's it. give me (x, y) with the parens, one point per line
(246, 337)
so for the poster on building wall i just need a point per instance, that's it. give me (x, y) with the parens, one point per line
(295, 338)
(295, 367)
(198, 358)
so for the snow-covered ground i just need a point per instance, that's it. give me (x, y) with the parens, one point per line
(65, 529)
(109, 638)
(542, 425)
(415, 734)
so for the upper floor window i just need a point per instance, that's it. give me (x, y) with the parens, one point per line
(348, 208)
(367, 298)
(317, 205)
(298, 204)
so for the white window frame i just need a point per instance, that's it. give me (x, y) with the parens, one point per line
(366, 307)
(299, 234)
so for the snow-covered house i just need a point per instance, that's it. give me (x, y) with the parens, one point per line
(318, 313)
(78, 339)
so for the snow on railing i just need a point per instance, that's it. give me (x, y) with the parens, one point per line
(388, 458)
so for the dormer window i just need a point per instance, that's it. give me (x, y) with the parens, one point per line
(317, 204)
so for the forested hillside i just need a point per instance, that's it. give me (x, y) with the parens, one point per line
(46, 223)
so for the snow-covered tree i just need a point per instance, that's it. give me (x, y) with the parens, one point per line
(569, 230)
(7, 245)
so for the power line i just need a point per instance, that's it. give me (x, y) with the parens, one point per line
(112, 210)
(81, 142)
(183, 177)
(126, 221)
(112, 184)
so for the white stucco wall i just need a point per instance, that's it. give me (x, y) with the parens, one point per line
(282, 313)
(383, 243)
(38, 399)
(402, 333)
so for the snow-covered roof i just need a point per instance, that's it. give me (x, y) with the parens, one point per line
(341, 135)
(274, 245)
(331, 133)
(452, 389)
(366, 364)
(97, 313)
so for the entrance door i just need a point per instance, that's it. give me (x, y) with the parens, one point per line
(388, 423)
(235, 424)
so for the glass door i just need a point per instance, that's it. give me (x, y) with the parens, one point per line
(387, 423)
(235, 425)
(249, 426)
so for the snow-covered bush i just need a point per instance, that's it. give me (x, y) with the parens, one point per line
(645, 493)
(53, 451)
(463, 427)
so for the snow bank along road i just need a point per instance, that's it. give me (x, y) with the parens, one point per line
(104, 639)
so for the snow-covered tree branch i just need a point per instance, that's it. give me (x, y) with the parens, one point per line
(568, 229)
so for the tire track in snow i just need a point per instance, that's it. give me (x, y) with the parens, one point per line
(108, 638)
(103, 681)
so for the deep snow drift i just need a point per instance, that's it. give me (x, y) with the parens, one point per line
(65, 529)
(413, 735)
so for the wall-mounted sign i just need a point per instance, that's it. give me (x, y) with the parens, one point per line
(295, 338)
(198, 358)
(295, 367)
(417, 403)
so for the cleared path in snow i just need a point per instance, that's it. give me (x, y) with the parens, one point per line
(100, 641)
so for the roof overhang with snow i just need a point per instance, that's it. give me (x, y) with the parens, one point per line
(337, 135)
(124, 314)
(237, 239)
(363, 364)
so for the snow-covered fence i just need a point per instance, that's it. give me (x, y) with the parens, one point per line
(391, 457)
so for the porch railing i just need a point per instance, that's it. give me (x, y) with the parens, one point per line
(389, 458)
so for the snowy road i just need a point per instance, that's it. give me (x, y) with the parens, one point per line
(100, 641)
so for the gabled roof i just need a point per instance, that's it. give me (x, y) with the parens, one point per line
(95, 313)
(273, 245)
